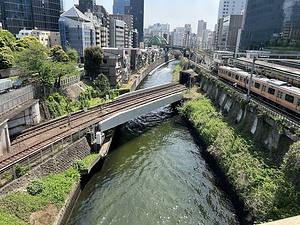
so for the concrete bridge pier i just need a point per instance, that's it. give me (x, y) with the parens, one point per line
(4, 138)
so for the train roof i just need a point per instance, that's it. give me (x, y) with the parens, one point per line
(286, 87)
(281, 68)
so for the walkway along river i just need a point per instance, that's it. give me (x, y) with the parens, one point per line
(154, 174)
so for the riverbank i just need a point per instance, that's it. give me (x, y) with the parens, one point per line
(264, 185)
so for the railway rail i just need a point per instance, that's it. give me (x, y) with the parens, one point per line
(289, 117)
(33, 139)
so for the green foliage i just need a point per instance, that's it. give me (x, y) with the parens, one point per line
(264, 190)
(20, 170)
(8, 39)
(58, 54)
(73, 55)
(31, 59)
(7, 219)
(291, 164)
(123, 91)
(102, 83)
(35, 187)
(57, 97)
(93, 58)
(6, 57)
(79, 165)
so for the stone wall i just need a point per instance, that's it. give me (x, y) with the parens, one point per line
(58, 163)
(264, 130)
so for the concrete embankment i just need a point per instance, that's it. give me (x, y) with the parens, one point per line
(251, 147)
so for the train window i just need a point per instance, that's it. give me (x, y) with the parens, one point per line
(289, 98)
(257, 85)
(263, 88)
(279, 94)
(299, 102)
(237, 77)
(271, 91)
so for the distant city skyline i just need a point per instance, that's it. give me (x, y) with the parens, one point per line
(177, 13)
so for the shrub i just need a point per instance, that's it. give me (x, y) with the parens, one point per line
(35, 187)
(79, 165)
(20, 170)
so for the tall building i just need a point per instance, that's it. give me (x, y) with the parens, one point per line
(231, 7)
(86, 5)
(128, 35)
(268, 19)
(16, 15)
(201, 28)
(137, 10)
(119, 6)
(134, 8)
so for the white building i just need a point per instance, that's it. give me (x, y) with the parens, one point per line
(158, 29)
(178, 36)
(47, 38)
(76, 30)
(231, 7)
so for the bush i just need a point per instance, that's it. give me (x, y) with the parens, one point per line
(35, 187)
(79, 165)
(123, 90)
(20, 170)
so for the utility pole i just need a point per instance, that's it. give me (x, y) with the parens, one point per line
(250, 81)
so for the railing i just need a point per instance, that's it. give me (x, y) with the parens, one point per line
(25, 164)
(15, 98)
(69, 81)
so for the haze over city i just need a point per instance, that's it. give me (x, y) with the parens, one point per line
(177, 13)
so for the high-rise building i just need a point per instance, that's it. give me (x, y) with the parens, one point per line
(266, 19)
(134, 8)
(16, 15)
(86, 5)
(119, 6)
(227, 8)
(128, 19)
(201, 28)
(137, 10)
(231, 7)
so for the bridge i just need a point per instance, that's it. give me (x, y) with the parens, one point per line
(47, 138)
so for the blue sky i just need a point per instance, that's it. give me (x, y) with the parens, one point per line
(174, 12)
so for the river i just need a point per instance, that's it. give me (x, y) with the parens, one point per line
(154, 174)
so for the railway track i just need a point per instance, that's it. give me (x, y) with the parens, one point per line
(42, 135)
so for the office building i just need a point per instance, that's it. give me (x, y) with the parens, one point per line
(34, 14)
(119, 6)
(266, 20)
(227, 8)
(86, 5)
(201, 28)
(134, 8)
(76, 31)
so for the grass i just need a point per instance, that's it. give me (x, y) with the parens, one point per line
(16, 208)
(265, 190)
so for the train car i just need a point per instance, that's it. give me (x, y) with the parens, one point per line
(277, 91)
(5, 85)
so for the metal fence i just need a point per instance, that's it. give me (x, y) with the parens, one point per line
(15, 98)
(28, 162)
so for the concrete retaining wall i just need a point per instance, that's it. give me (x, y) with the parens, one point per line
(263, 130)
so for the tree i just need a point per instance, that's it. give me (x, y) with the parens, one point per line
(6, 55)
(93, 58)
(8, 39)
(73, 55)
(58, 54)
(32, 59)
(26, 42)
(102, 83)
